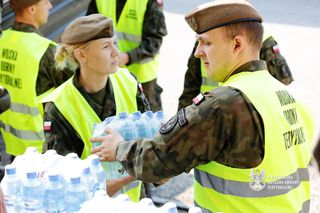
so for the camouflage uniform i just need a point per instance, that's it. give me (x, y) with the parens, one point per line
(154, 29)
(277, 66)
(62, 136)
(48, 76)
(223, 127)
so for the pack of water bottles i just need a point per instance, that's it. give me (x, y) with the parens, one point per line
(134, 126)
(51, 182)
(101, 203)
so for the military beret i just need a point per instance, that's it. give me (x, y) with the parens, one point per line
(220, 13)
(88, 28)
(19, 4)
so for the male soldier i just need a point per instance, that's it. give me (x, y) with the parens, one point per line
(196, 80)
(234, 135)
(140, 27)
(28, 73)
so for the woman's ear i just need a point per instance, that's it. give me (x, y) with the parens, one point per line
(80, 55)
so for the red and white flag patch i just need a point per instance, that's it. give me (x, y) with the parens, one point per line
(47, 126)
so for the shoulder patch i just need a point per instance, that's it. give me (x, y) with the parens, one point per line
(198, 99)
(168, 127)
(182, 120)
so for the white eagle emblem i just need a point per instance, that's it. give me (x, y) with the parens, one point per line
(257, 180)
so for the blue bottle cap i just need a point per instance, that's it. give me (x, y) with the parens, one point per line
(86, 170)
(149, 114)
(75, 180)
(136, 115)
(123, 115)
(31, 175)
(54, 178)
(11, 169)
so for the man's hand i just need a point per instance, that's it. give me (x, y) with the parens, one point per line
(109, 143)
(113, 186)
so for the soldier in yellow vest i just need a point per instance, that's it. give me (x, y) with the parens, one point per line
(27, 72)
(140, 27)
(196, 80)
(98, 89)
(249, 141)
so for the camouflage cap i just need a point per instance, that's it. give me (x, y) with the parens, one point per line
(19, 4)
(88, 28)
(220, 13)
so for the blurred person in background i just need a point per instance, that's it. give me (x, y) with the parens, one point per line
(28, 74)
(140, 28)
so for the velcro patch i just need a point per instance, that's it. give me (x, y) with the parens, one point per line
(198, 99)
(182, 120)
(168, 127)
(47, 126)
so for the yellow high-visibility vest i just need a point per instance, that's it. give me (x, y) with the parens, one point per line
(129, 34)
(22, 124)
(77, 111)
(281, 182)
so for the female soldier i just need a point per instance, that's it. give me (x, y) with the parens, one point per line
(98, 89)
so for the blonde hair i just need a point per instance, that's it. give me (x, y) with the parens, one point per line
(65, 58)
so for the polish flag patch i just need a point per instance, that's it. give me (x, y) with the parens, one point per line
(47, 126)
(276, 49)
(198, 99)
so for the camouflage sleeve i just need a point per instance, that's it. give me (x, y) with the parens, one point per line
(277, 64)
(192, 80)
(59, 134)
(48, 75)
(194, 136)
(225, 127)
(154, 29)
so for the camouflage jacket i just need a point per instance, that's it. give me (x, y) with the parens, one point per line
(154, 29)
(224, 127)
(4, 100)
(277, 66)
(62, 137)
(48, 75)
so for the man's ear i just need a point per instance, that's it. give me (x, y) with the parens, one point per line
(79, 55)
(238, 43)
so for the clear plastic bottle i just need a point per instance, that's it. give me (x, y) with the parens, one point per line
(98, 173)
(141, 126)
(126, 127)
(169, 207)
(32, 193)
(12, 189)
(88, 181)
(159, 120)
(54, 194)
(75, 195)
(195, 209)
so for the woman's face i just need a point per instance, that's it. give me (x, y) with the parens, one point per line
(102, 56)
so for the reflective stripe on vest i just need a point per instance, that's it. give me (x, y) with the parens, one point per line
(132, 190)
(129, 33)
(22, 124)
(125, 89)
(278, 184)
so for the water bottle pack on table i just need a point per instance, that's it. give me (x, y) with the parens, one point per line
(46, 184)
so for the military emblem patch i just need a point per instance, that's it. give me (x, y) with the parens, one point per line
(182, 117)
(168, 127)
